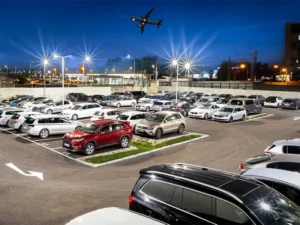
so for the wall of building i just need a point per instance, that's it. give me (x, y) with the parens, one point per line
(283, 94)
(54, 93)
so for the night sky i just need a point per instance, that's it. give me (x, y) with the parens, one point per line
(219, 29)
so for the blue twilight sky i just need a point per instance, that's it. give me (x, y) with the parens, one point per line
(210, 30)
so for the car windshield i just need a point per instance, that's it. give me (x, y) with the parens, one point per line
(222, 101)
(252, 96)
(271, 99)
(122, 117)
(76, 107)
(47, 101)
(178, 104)
(158, 103)
(288, 100)
(58, 103)
(29, 120)
(275, 209)
(236, 102)
(98, 113)
(226, 109)
(155, 118)
(203, 106)
(110, 97)
(118, 98)
(90, 128)
(203, 100)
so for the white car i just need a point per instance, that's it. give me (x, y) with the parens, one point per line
(26, 104)
(146, 105)
(284, 147)
(145, 98)
(114, 216)
(34, 106)
(18, 119)
(6, 114)
(221, 102)
(133, 117)
(123, 101)
(82, 110)
(207, 95)
(206, 100)
(56, 107)
(45, 125)
(106, 114)
(162, 105)
(203, 111)
(230, 114)
(273, 101)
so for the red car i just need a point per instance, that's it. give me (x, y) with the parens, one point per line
(98, 134)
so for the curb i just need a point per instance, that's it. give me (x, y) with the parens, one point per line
(144, 153)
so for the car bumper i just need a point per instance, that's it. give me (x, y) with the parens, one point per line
(220, 118)
(271, 104)
(145, 132)
(196, 115)
(73, 147)
(288, 106)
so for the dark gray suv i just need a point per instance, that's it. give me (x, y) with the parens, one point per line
(250, 105)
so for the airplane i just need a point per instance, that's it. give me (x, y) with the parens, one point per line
(144, 20)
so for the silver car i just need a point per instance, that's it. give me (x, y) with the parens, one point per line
(45, 125)
(284, 147)
(230, 114)
(18, 119)
(56, 107)
(161, 105)
(146, 105)
(285, 182)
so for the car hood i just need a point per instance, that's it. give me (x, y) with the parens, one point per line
(199, 110)
(222, 113)
(148, 123)
(77, 134)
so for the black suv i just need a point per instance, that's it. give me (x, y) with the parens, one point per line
(77, 97)
(184, 194)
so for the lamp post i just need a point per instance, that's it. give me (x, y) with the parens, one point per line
(133, 62)
(86, 59)
(284, 75)
(63, 76)
(187, 66)
(243, 66)
(46, 61)
(175, 63)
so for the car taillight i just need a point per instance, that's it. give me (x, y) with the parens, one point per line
(241, 166)
(15, 121)
(131, 199)
(178, 108)
(244, 106)
(30, 125)
(101, 118)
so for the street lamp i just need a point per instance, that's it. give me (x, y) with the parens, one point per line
(243, 66)
(187, 66)
(130, 68)
(175, 64)
(6, 68)
(128, 56)
(45, 62)
(275, 66)
(86, 59)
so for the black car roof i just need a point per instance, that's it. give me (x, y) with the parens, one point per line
(230, 183)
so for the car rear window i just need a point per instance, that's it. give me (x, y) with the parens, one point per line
(271, 99)
(29, 120)
(288, 100)
(259, 158)
(122, 117)
(236, 102)
(158, 103)
(16, 116)
(99, 113)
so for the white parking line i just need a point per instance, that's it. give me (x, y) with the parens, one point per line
(57, 148)
(49, 139)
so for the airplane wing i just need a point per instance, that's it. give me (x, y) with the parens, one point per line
(142, 29)
(151, 22)
(149, 13)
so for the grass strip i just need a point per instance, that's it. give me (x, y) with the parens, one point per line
(257, 116)
(142, 146)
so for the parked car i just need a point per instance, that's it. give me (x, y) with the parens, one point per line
(6, 114)
(285, 182)
(221, 102)
(259, 98)
(189, 194)
(284, 162)
(82, 110)
(56, 107)
(122, 101)
(118, 93)
(146, 105)
(95, 98)
(4, 105)
(198, 95)
(284, 147)
(207, 95)
(230, 114)
(77, 97)
(162, 105)
(240, 96)
(152, 97)
(20, 99)
(107, 99)
(187, 95)
(19, 118)
(161, 123)
(9, 100)
(98, 134)
(172, 95)
(206, 100)
(45, 125)
(203, 111)
(291, 103)
(32, 106)
(226, 96)
(273, 101)
(162, 92)
(145, 98)
(183, 107)
(132, 117)
(106, 114)
(113, 216)
(251, 106)
(135, 94)
(30, 101)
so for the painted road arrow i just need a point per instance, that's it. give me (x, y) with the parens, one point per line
(31, 173)
(296, 118)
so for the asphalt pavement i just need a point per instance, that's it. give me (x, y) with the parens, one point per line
(69, 188)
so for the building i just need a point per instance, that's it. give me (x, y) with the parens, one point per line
(292, 50)
(5, 81)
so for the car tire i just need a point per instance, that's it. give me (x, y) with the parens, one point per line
(8, 123)
(75, 117)
(181, 129)
(230, 119)
(278, 105)
(89, 148)
(78, 128)
(133, 104)
(44, 133)
(243, 118)
(158, 133)
(147, 109)
(297, 107)
(247, 112)
(206, 116)
(118, 105)
(20, 128)
(124, 142)
(49, 111)
(184, 113)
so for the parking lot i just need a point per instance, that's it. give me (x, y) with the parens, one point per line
(69, 188)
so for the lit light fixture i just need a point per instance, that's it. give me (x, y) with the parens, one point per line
(87, 58)
(174, 62)
(46, 61)
(242, 66)
(187, 66)
(265, 206)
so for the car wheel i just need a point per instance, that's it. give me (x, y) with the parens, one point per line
(44, 133)
(243, 118)
(297, 107)
(147, 109)
(230, 119)
(49, 111)
(278, 105)
(184, 113)
(158, 133)
(206, 116)
(8, 123)
(247, 112)
(118, 105)
(78, 128)
(20, 128)
(74, 117)
(124, 142)
(181, 129)
(133, 104)
(89, 148)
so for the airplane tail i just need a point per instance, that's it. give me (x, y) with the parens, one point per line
(159, 23)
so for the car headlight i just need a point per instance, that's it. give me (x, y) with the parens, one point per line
(78, 139)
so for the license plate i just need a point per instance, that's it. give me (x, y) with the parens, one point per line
(140, 130)
(66, 144)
